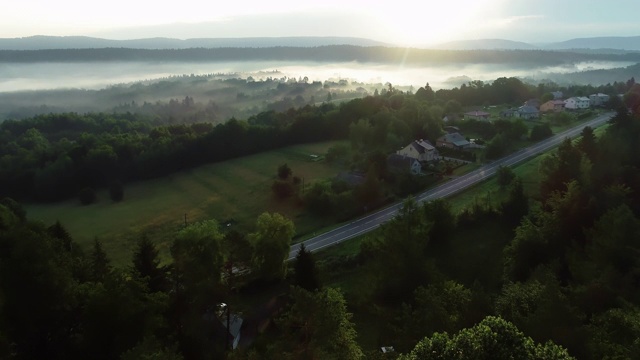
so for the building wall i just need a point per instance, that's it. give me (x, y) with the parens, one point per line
(409, 151)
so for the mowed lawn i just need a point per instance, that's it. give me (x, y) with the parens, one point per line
(234, 192)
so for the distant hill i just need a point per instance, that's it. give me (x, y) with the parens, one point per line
(485, 44)
(85, 42)
(611, 42)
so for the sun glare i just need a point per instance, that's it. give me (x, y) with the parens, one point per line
(434, 23)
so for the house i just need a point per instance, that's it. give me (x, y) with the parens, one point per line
(552, 106)
(508, 113)
(598, 99)
(557, 95)
(527, 112)
(533, 103)
(235, 325)
(477, 115)
(401, 163)
(452, 129)
(420, 150)
(226, 324)
(575, 103)
(453, 141)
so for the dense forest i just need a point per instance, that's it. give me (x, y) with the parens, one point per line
(333, 53)
(567, 284)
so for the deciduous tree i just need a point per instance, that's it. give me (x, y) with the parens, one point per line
(271, 241)
(317, 326)
(493, 338)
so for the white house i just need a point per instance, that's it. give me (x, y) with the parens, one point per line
(420, 150)
(598, 99)
(577, 103)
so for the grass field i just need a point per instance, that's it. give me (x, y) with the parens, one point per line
(235, 192)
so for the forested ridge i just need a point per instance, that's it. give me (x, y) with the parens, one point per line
(332, 53)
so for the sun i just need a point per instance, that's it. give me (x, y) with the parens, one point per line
(423, 23)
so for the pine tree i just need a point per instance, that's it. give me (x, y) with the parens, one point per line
(147, 265)
(100, 264)
(306, 275)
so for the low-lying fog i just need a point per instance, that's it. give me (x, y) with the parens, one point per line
(40, 76)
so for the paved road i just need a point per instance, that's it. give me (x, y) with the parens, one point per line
(374, 220)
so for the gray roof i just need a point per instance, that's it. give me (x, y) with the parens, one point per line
(527, 110)
(455, 139)
(422, 145)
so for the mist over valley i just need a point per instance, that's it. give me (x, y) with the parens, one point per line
(35, 87)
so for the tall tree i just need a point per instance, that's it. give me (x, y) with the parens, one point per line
(317, 326)
(493, 338)
(443, 222)
(100, 263)
(146, 265)
(271, 241)
(440, 306)
(587, 143)
(517, 204)
(306, 272)
(37, 293)
(196, 275)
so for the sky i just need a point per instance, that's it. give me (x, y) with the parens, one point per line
(402, 22)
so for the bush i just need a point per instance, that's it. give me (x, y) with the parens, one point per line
(87, 196)
(15, 208)
(284, 171)
(282, 188)
(116, 191)
(540, 132)
(504, 176)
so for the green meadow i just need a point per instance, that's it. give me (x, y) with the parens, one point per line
(233, 192)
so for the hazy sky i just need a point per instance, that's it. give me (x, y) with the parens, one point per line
(412, 22)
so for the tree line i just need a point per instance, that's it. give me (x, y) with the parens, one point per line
(329, 53)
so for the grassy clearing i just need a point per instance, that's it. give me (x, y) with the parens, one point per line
(235, 192)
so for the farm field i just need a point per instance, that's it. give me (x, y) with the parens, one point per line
(233, 192)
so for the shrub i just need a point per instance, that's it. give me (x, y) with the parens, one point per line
(282, 188)
(116, 191)
(87, 196)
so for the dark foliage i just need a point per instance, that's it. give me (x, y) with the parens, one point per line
(87, 196)
(284, 171)
(540, 132)
(306, 271)
(116, 191)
